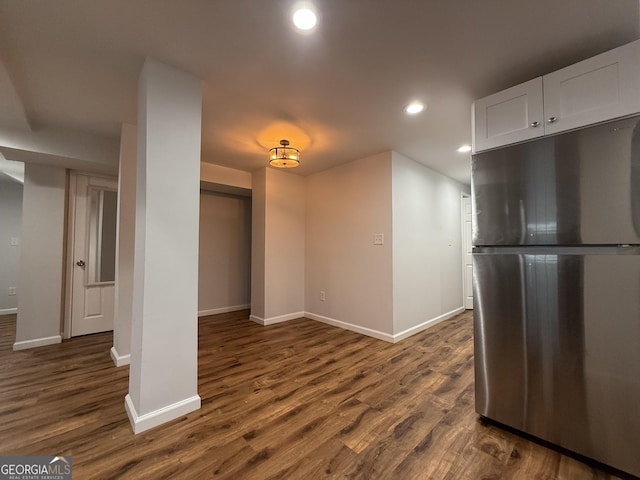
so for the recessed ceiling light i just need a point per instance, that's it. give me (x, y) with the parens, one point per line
(464, 148)
(414, 108)
(305, 18)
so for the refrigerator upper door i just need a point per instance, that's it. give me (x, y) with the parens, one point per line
(577, 188)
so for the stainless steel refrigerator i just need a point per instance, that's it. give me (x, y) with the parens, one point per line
(556, 263)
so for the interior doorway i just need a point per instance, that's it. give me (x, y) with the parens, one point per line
(11, 189)
(91, 254)
(224, 273)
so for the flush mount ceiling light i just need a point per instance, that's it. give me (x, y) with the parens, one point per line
(304, 18)
(464, 148)
(414, 108)
(284, 156)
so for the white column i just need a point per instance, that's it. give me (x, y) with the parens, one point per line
(121, 350)
(277, 258)
(163, 376)
(258, 237)
(40, 270)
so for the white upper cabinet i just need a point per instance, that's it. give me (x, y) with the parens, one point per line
(510, 116)
(601, 88)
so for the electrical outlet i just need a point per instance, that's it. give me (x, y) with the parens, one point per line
(15, 241)
(12, 291)
(322, 296)
(378, 239)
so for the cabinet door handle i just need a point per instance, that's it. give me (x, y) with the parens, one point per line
(535, 124)
(552, 119)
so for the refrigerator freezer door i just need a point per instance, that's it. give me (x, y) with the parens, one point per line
(556, 345)
(580, 187)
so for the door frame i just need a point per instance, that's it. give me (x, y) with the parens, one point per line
(463, 196)
(69, 269)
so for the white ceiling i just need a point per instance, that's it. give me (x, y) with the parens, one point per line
(338, 93)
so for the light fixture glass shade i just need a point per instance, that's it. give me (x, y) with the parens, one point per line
(305, 19)
(284, 156)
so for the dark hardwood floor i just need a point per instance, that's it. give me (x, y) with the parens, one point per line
(296, 400)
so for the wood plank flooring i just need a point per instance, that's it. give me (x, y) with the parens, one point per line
(296, 400)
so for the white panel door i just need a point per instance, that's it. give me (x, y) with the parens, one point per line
(467, 258)
(597, 89)
(94, 239)
(510, 116)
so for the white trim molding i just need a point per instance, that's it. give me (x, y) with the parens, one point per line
(8, 311)
(382, 335)
(423, 326)
(119, 360)
(141, 423)
(215, 311)
(37, 342)
(278, 319)
(349, 326)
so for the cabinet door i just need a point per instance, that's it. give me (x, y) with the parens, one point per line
(510, 116)
(597, 89)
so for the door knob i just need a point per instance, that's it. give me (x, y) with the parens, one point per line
(80, 263)
(552, 119)
(535, 124)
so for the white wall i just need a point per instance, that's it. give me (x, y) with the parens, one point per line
(224, 271)
(284, 244)
(346, 206)
(393, 290)
(125, 247)
(427, 245)
(40, 275)
(258, 215)
(229, 177)
(60, 148)
(278, 260)
(10, 221)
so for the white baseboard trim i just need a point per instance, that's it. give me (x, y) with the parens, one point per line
(357, 328)
(278, 319)
(258, 320)
(119, 360)
(215, 311)
(349, 326)
(423, 326)
(37, 342)
(8, 311)
(141, 423)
